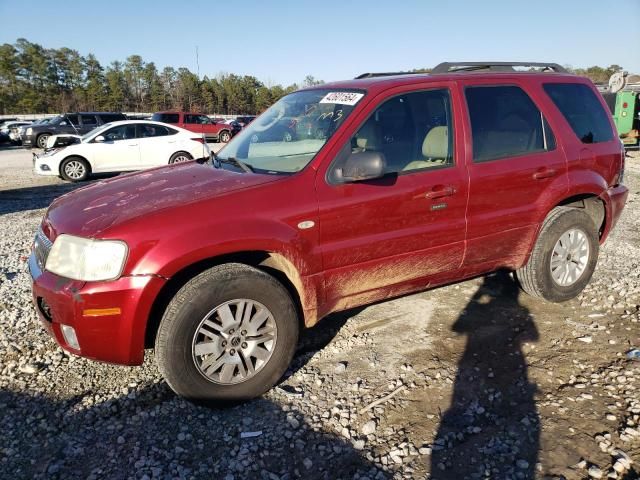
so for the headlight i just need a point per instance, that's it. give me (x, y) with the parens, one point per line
(86, 259)
(29, 131)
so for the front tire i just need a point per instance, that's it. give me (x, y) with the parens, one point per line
(563, 258)
(41, 141)
(229, 334)
(75, 169)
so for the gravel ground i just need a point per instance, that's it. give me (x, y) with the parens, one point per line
(473, 380)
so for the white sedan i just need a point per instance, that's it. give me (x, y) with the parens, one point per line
(120, 147)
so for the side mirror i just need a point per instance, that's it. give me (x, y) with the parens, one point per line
(360, 166)
(99, 139)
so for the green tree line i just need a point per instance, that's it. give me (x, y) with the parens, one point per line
(34, 79)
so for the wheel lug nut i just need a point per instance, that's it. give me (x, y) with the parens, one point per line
(232, 351)
(224, 344)
(244, 344)
(231, 331)
(243, 332)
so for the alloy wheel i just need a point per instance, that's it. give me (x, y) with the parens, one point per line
(234, 341)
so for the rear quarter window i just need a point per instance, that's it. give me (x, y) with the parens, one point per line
(582, 110)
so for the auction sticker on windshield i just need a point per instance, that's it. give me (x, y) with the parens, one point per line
(343, 98)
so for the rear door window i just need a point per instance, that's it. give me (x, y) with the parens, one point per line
(149, 130)
(582, 110)
(88, 120)
(505, 123)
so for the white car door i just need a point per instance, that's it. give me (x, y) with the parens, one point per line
(120, 150)
(157, 144)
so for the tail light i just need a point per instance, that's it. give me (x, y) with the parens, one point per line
(199, 139)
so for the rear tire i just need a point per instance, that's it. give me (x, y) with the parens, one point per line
(207, 319)
(563, 258)
(180, 157)
(75, 169)
(224, 136)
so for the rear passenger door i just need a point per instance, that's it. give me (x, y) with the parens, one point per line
(393, 234)
(157, 144)
(515, 167)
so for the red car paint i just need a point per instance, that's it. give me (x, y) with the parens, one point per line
(369, 242)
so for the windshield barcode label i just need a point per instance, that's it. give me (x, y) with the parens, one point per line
(343, 98)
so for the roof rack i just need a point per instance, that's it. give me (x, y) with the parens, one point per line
(384, 74)
(452, 67)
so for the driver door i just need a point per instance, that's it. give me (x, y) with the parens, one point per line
(394, 234)
(119, 152)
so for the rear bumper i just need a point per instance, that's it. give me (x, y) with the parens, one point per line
(115, 337)
(614, 199)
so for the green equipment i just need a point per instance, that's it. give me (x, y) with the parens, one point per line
(626, 113)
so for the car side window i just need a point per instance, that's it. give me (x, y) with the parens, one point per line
(505, 123)
(413, 131)
(88, 120)
(191, 119)
(123, 132)
(583, 111)
(203, 119)
(147, 131)
(73, 119)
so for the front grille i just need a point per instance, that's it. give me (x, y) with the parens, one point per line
(41, 247)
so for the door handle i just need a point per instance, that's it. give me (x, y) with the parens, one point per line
(441, 191)
(544, 173)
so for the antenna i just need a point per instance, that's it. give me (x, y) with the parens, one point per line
(197, 62)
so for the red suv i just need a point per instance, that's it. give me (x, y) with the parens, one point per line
(418, 180)
(198, 123)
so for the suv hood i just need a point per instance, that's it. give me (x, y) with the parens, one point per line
(90, 210)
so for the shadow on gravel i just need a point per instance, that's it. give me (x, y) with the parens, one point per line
(151, 433)
(34, 198)
(313, 340)
(492, 428)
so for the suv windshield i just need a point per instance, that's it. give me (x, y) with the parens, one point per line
(286, 137)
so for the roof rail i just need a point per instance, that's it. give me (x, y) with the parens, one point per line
(452, 67)
(384, 74)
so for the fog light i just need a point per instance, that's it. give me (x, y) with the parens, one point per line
(45, 168)
(69, 335)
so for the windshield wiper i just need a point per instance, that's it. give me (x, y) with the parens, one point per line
(235, 162)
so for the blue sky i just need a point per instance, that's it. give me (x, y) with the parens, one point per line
(282, 41)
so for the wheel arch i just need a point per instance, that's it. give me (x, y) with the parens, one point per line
(593, 205)
(74, 155)
(273, 263)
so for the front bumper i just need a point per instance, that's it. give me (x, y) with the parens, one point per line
(614, 199)
(108, 337)
(44, 167)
